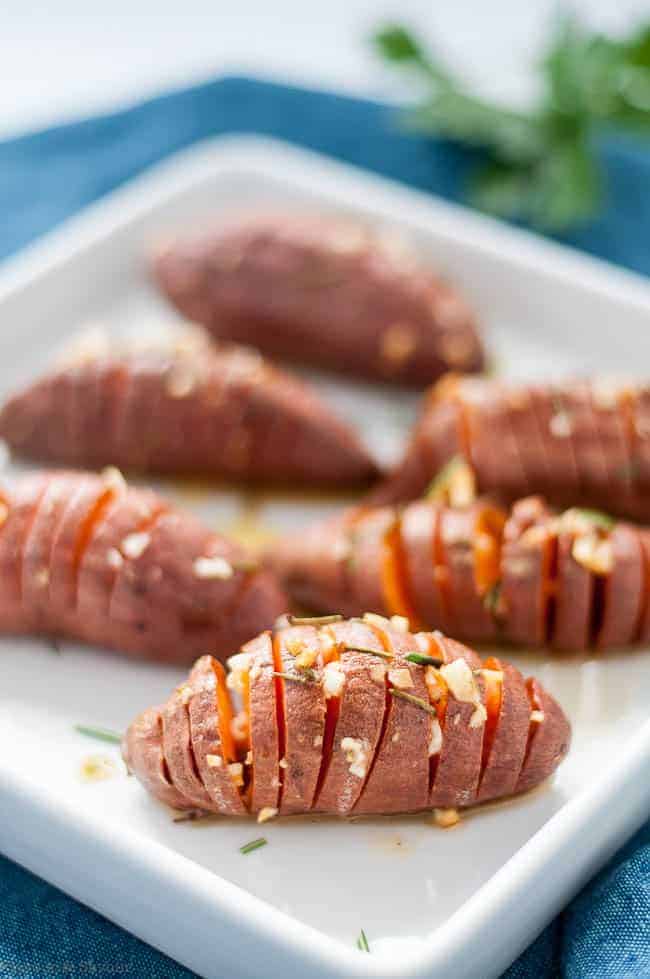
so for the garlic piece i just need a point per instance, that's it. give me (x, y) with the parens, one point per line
(435, 741)
(333, 680)
(134, 545)
(356, 755)
(208, 568)
(446, 817)
(400, 678)
(266, 813)
(214, 761)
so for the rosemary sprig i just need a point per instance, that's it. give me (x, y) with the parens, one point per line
(253, 845)
(539, 163)
(362, 942)
(371, 652)
(313, 619)
(423, 660)
(99, 733)
(292, 676)
(416, 701)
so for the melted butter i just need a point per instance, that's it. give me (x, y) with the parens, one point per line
(97, 768)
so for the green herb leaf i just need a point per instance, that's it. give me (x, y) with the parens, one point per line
(99, 733)
(371, 652)
(416, 701)
(423, 660)
(362, 942)
(540, 164)
(253, 845)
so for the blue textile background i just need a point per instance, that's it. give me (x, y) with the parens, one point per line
(45, 177)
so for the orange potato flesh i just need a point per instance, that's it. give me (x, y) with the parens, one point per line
(487, 548)
(394, 577)
(493, 694)
(225, 713)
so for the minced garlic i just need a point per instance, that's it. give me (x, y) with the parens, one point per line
(446, 817)
(266, 813)
(333, 680)
(356, 755)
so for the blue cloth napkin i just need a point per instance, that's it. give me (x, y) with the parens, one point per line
(45, 177)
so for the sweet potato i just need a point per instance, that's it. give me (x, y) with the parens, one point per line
(411, 722)
(320, 289)
(218, 411)
(530, 576)
(577, 442)
(88, 557)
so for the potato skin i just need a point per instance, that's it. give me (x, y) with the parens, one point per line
(573, 441)
(360, 715)
(149, 602)
(536, 589)
(320, 289)
(221, 412)
(398, 780)
(263, 719)
(362, 751)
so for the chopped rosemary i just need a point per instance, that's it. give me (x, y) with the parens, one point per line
(416, 701)
(314, 619)
(491, 597)
(423, 660)
(371, 652)
(100, 733)
(292, 676)
(362, 942)
(307, 672)
(253, 845)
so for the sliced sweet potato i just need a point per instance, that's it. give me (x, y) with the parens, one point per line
(357, 726)
(364, 567)
(319, 289)
(468, 612)
(396, 734)
(590, 450)
(418, 530)
(216, 411)
(528, 561)
(209, 715)
(314, 564)
(624, 592)
(548, 740)
(459, 764)
(507, 734)
(123, 570)
(20, 505)
(179, 753)
(262, 712)
(398, 777)
(574, 601)
(303, 706)
(143, 754)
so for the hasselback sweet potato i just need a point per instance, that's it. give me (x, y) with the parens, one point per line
(528, 575)
(184, 407)
(322, 290)
(90, 558)
(359, 717)
(577, 442)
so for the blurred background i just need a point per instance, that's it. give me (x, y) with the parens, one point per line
(70, 58)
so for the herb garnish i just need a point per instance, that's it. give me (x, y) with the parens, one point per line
(539, 164)
(362, 942)
(100, 733)
(292, 676)
(423, 660)
(416, 701)
(313, 619)
(253, 845)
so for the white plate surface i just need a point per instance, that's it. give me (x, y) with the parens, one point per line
(461, 902)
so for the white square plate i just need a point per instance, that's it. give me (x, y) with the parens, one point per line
(460, 903)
